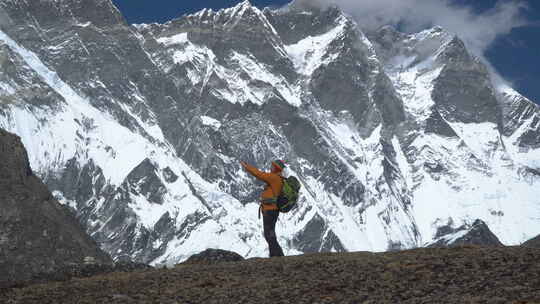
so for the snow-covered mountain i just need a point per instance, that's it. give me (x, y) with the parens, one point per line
(140, 128)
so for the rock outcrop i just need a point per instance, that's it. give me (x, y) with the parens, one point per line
(213, 256)
(533, 243)
(476, 234)
(37, 234)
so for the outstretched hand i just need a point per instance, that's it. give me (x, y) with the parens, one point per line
(244, 164)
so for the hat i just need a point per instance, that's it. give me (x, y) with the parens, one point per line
(279, 164)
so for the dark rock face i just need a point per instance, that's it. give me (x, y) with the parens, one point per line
(294, 24)
(463, 91)
(534, 242)
(436, 124)
(144, 180)
(213, 256)
(50, 13)
(313, 238)
(516, 111)
(331, 243)
(251, 31)
(309, 239)
(37, 234)
(476, 234)
(169, 175)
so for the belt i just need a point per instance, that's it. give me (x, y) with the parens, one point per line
(267, 201)
(272, 200)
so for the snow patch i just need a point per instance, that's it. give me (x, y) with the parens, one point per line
(471, 188)
(86, 24)
(414, 83)
(310, 53)
(450, 238)
(6, 89)
(211, 122)
(481, 138)
(172, 40)
(259, 72)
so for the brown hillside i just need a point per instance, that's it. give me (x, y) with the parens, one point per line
(456, 275)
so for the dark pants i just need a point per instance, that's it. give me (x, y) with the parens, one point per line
(269, 220)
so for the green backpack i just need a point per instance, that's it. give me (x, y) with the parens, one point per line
(288, 198)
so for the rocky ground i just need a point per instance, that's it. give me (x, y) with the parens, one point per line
(455, 275)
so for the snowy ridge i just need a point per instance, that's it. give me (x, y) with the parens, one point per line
(65, 128)
(310, 53)
(478, 173)
(6, 89)
(257, 72)
(374, 229)
(413, 70)
(202, 64)
(176, 39)
(454, 237)
(362, 120)
(117, 153)
(235, 17)
(212, 122)
(528, 122)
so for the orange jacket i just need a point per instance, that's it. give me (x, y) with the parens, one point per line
(274, 184)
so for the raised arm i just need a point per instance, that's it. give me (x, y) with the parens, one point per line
(265, 177)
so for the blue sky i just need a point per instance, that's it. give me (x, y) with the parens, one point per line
(514, 53)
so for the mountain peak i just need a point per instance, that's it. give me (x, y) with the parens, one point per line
(455, 50)
(245, 3)
(234, 13)
(241, 8)
(100, 13)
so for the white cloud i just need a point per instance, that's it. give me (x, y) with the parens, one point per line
(477, 30)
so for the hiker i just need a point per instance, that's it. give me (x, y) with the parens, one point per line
(269, 206)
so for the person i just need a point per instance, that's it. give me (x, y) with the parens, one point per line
(268, 207)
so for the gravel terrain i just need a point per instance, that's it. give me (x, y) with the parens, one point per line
(455, 275)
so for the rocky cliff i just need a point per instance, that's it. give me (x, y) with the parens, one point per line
(37, 234)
